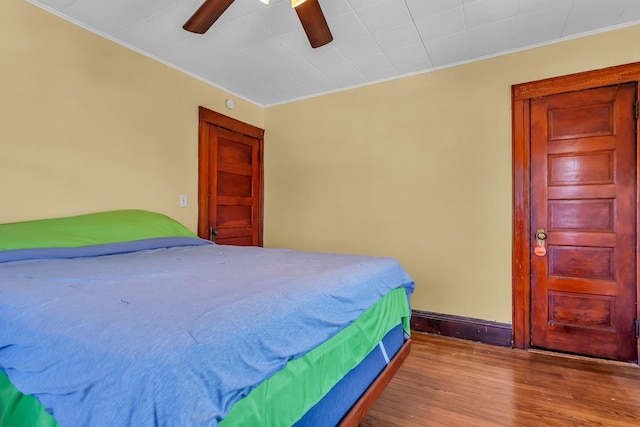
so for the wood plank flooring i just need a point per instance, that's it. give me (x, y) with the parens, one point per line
(451, 382)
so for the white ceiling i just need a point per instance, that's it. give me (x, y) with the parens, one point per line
(261, 53)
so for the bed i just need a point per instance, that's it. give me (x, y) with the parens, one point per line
(127, 318)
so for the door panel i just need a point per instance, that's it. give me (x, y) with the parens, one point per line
(233, 185)
(582, 169)
(234, 168)
(581, 215)
(576, 262)
(583, 289)
(593, 311)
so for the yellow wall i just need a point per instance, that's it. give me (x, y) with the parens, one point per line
(418, 169)
(88, 125)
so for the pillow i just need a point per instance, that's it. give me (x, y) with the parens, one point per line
(92, 229)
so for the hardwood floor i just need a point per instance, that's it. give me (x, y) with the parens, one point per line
(451, 382)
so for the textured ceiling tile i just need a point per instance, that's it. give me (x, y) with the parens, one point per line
(449, 49)
(541, 26)
(631, 12)
(375, 67)
(344, 74)
(332, 8)
(384, 15)
(409, 59)
(114, 15)
(156, 33)
(324, 56)
(485, 12)
(297, 41)
(347, 27)
(246, 30)
(191, 4)
(316, 81)
(423, 8)
(528, 6)
(358, 48)
(235, 11)
(396, 38)
(285, 84)
(357, 4)
(296, 67)
(441, 24)
(491, 39)
(274, 51)
(588, 15)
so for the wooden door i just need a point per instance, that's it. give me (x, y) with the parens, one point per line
(231, 180)
(583, 192)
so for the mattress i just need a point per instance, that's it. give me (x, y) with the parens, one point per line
(173, 321)
(338, 402)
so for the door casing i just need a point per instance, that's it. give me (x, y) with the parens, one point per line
(209, 118)
(521, 95)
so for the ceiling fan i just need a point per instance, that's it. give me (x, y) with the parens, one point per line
(309, 13)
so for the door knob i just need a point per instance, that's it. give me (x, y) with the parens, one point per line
(540, 249)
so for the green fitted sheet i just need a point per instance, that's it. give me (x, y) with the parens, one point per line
(18, 410)
(275, 402)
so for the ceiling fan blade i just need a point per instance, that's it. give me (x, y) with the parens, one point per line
(206, 15)
(314, 23)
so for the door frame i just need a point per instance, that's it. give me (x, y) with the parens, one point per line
(209, 118)
(521, 96)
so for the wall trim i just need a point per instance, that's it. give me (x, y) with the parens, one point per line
(467, 328)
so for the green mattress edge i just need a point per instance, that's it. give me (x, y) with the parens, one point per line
(273, 403)
(322, 368)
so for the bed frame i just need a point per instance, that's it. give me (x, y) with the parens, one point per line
(359, 411)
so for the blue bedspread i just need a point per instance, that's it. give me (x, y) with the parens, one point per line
(153, 337)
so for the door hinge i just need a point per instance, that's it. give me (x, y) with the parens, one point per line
(637, 328)
(637, 109)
